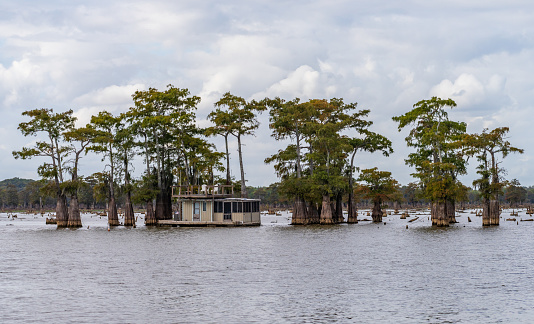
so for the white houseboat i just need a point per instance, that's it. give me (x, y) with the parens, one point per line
(212, 205)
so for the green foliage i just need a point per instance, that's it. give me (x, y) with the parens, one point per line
(317, 160)
(486, 147)
(19, 183)
(438, 159)
(54, 126)
(378, 186)
(515, 194)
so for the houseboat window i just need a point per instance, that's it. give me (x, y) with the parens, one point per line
(255, 206)
(204, 206)
(197, 209)
(218, 208)
(246, 207)
(234, 207)
(240, 207)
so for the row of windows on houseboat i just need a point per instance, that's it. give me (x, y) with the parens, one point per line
(228, 207)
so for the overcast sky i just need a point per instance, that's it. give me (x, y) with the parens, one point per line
(385, 55)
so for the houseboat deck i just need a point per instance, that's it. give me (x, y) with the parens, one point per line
(169, 222)
(203, 191)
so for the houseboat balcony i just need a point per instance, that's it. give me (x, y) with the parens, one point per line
(203, 191)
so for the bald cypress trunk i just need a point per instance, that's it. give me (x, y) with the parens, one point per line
(326, 211)
(439, 214)
(299, 212)
(495, 212)
(339, 209)
(451, 211)
(62, 214)
(486, 212)
(313, 214)
(160, 205)
(113, 217)
(129, 218)
(490, 213)
(150, 216)
(74, 218)
(242, 170)
(377, 212)
(352, 217)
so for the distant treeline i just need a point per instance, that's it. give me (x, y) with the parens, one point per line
(29, 194)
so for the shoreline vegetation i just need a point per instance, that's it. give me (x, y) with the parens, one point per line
(317, 170)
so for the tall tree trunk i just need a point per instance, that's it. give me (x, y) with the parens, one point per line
(62, 214)
(150, 216)
(228, 178)
(352, 215)
(113, 217)
(439, 214)
(339, 209)
(243, 185)
(377, 212)
(486, 212)
(74, 218)
(313, 214)
(129, 218)
(168, 203)
(299, 212)
(160, 205)
(495, 212)
(326, 211)
(490, 212)
(451, 211)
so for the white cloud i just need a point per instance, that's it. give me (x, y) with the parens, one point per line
(465, 91)
(303, 83)
(383, 55)
(112, 95)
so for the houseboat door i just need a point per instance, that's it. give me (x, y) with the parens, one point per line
(227, 212)
(196, 211)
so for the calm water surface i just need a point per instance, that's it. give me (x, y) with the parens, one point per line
(275, 273)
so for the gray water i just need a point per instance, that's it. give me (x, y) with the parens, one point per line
(274, 273)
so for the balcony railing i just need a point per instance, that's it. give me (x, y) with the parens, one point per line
(203, 191)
